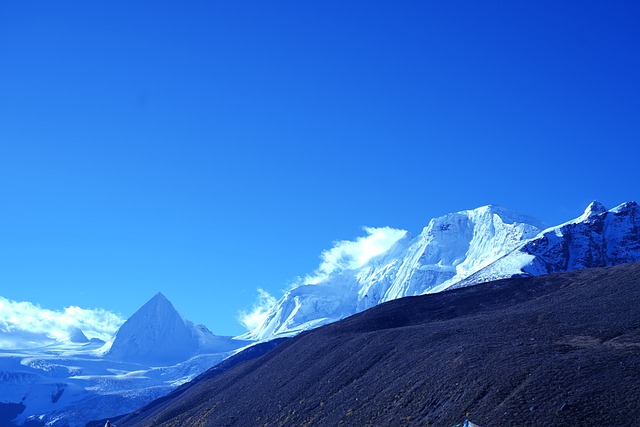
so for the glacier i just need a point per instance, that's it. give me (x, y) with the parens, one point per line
(71, 376)
(69, 382)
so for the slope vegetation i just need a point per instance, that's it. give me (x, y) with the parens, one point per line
(560, 349)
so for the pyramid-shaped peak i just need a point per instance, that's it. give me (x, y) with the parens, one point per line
(594, 208)
(159, 295)
(159, 298)
(155, 333)
(158, 310)
(158, 303)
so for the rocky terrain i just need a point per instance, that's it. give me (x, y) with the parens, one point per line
(558, 349)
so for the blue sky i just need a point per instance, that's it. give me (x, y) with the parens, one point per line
(206, 149)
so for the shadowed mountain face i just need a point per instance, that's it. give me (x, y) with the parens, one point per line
(560, 349)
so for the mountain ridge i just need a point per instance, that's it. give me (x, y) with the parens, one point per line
(454, 250)
(597, 238)
(429, 359)
(158, 348)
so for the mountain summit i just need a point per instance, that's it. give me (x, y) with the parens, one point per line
(597, 238)
(449, 249)
(158, 334)
(460, 249)
(594, 208)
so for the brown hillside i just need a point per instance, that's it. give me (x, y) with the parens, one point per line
(556, 350)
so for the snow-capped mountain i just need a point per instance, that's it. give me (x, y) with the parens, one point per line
(158, 334)
(449, 249)
(69, 383)
(597, 238)
(460, 249)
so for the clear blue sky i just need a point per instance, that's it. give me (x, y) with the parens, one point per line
(207, 148)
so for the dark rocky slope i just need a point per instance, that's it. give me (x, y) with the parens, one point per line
(555, 350)
(250, 353)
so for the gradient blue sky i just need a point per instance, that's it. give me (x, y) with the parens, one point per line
(206, 149)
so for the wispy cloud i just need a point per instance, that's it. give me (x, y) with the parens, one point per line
(258, 314)
(345, 254)
(351, 254)
(24, 323)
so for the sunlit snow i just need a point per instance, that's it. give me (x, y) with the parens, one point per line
(63, 378)
(457, 249)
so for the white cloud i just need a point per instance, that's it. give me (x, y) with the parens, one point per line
(344, 254)
(348, 254)
(258, 314)
(24, 323)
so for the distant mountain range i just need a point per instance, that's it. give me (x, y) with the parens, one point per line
(460, 249)
(157, 350)
(552, 350)
(68, 384)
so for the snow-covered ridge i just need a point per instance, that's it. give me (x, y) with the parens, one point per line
(448, 249)
(459, 249)
(597, 238)
(74, 378)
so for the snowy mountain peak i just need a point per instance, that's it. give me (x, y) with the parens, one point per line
(158, 310)
(66, 383)
(484, 215)
(156, 333)
(627, 207)
(597, 238)
(594, 208)
(158, 299)
(157, 304)
(449, 249)
(460, 249)
(508, 216)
